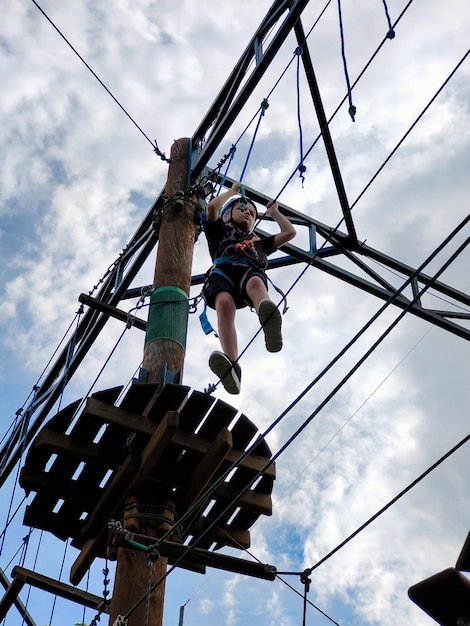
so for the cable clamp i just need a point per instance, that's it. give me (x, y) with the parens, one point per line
(159, 153)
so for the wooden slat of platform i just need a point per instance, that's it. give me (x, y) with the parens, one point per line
(66, 465)
(221, 534)
(118, 436)
(220, 416)
(195, 410)
(170, 399)
(38, 458)
(243, 432)
(205, 456)
(138, 397)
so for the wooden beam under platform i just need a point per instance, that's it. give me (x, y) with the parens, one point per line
(22, 610)
(188, 554)
(160, 443)
(22, 576)
(112, 311)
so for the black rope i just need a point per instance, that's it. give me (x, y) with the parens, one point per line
(389, 504)
(305, 580)
(152, 143)
(444, 84)
(338, 108)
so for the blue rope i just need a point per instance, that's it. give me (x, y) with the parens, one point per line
(233, 149)
(302, 169)
(352, 108)
(391, 32)
(264, 106)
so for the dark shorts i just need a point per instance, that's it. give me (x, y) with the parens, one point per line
(234, 282)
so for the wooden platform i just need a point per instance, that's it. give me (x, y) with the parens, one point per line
(168, 444)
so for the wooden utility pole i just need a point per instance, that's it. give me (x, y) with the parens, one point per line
(163, 444)
(163, 360)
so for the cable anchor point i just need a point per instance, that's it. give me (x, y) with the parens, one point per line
(159, 153)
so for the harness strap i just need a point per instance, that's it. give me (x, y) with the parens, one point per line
(217, 270)
(226, 259)
(205, 324)
(279, 291)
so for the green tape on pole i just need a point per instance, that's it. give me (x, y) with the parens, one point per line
(168, 316)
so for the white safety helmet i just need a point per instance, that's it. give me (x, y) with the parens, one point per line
(225, 212)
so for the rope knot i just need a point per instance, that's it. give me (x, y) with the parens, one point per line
(153, 554)
(159, 153)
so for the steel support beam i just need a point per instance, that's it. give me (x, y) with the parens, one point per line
(325, 130)
(226, 107)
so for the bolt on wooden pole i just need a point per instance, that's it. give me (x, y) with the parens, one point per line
(163, 359)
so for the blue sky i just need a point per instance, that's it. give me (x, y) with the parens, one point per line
(77, 178)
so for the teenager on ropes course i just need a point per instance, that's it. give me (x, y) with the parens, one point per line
(237, 278)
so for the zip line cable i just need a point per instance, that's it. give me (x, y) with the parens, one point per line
(444, 84)
(152, 143)
(306, 422)
(282, 580)
(41, 534)
(461, 443)
(353, 414)
(60, 576)
(8, 522)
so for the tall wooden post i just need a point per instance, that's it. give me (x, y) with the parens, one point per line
(163, 359)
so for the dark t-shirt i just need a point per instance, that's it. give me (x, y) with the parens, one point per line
(238, 246)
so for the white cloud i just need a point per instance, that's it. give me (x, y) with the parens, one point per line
(77, 177)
